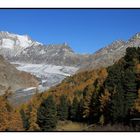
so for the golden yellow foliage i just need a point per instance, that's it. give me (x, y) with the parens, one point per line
(4, 115)
(15, 122)
(104, 99)
(33, 126)
(10, 120)
(89, 90)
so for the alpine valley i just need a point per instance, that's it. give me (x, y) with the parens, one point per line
(52, 88)
(50, 64)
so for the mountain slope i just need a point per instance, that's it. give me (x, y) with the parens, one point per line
(60, 54)
(108, 55)
(11, 77)
(103, 98)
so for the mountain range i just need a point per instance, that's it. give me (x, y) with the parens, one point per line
(52, 63)
(21, 48)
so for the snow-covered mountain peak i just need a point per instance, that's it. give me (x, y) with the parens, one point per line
(13, 44)
(11, 40)
(22, 48)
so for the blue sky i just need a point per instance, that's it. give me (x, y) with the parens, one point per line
(85, 30)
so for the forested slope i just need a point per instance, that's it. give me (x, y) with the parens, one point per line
(105, 96)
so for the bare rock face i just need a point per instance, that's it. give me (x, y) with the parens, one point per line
(60, 54)
(106, 56)
(11, 77)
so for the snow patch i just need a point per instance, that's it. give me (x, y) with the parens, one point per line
(42, 52)
(28, 89)
(7, 43)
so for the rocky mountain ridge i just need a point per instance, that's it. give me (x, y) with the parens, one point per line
(108, 55)
(21, 48)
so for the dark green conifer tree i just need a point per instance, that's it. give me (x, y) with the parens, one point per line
(62, 109)
(117, 107)
(80, 111)
(130, 86)
(74, 109)
(47, 115)
(114, 83)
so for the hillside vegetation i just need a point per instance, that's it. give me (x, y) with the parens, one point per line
(106, 99)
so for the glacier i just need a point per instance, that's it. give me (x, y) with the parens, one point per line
(48, 75)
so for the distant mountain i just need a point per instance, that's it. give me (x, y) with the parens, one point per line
(22, 48)
(12, 45)
(60, 54)
(110, 54)
(12, 78)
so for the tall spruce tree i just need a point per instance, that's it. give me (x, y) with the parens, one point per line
(47, 115)
(94, 109)
(114, 83)
(130, 86)
(80, 111)
(130, 79)
(62, 110)
(117, 107)
(74, 109)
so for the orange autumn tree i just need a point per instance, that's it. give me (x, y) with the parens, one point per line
(4, 114)
(15, 122)
(10, 119)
